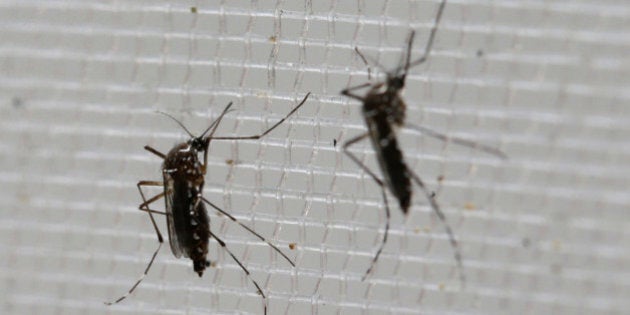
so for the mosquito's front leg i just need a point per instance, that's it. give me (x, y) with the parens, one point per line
(212, 127)
(429, 45)
(255, 137)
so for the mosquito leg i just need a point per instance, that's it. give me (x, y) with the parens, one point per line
(144, 274)
(215, 124)
(348, 91)
(260, 237)
(356, 49)
(447, 227)
(367, 64)
(144, 207)
(380, 183)
(380, 248)
(154, 151)
(459, 141)
(154, 211)
(357, 161)
(268, 130)
(260, 291)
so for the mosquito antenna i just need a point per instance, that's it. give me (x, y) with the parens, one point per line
(178, 122)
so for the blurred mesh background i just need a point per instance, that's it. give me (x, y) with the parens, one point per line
(546, 231)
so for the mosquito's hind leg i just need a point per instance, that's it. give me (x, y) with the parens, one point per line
(449, 231)
(260, 291)
(250, 230)
(380, 183)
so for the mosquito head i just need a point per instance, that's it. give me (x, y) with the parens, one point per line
(396, 83)
(198, 143)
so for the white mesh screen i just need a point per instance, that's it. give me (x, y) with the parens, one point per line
(543, 232)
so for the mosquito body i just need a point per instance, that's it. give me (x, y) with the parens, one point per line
(384, 113)
(186, 214)
(183, 173)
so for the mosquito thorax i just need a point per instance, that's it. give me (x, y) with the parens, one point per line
(183, 160)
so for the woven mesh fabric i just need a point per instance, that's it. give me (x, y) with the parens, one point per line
(544, 232)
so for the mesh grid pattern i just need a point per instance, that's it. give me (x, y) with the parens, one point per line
(543, 232)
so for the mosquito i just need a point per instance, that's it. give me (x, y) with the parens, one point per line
(186, 215)
(384, 112)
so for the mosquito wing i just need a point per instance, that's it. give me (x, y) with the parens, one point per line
(169, 197)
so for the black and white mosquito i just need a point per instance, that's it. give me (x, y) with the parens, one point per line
(384, 112)
(186, 215)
